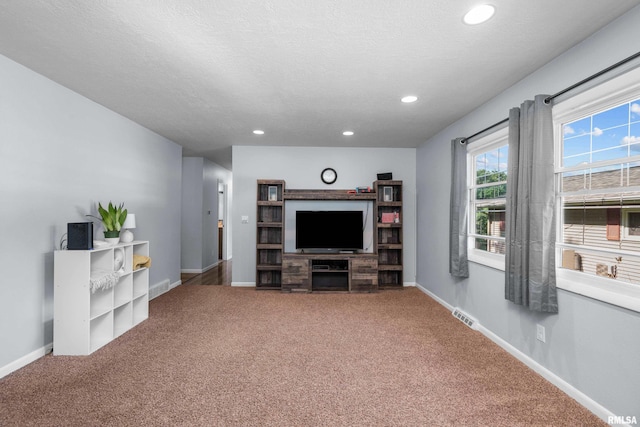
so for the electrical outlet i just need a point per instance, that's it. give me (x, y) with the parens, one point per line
(540, 333)
(245, 219)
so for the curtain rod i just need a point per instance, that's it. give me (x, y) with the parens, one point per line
(464, 140)
(562, 92)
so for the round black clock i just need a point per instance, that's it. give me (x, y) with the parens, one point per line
(329, 175)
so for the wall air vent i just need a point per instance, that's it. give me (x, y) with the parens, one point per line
(159, 289)
(465, 318)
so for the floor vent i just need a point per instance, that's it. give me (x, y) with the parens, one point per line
(159, 289)
(464, 318)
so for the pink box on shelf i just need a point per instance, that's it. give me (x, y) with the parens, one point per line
(387, 218)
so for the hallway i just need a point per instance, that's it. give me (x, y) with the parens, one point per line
(219, 275)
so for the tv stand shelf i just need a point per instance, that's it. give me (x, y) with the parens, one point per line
(346, 272)
(321, 265)
(330, 272)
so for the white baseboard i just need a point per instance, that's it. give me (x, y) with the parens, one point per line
(200, 271)
(244, 284)
(214, 265)
(435, 297)
(409, 284)
(597, 409)
(25, 360)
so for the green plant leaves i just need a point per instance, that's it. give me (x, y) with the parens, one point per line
(113, 217)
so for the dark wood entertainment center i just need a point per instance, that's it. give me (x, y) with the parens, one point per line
(348, 272)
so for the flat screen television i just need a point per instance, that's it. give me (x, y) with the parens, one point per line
(329, 230)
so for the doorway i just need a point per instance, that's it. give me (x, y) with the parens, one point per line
(222, 209)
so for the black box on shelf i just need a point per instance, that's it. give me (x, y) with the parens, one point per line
(79, 235)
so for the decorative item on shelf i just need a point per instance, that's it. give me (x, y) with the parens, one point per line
(112, 219)
(396, 217)
(141, 261)
(126, 236)
(118, 260)
(79, 235)
(103, 279)
(388, 217)
(387, 193)
(273, 193)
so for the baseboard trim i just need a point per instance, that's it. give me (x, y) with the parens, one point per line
(435, 297)
(593, 406)
(198, 270)
(214, 265)
(244, 284)
(25, 360)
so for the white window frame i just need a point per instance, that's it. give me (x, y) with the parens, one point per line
(625, 224)
(489, 142)
(616, 91)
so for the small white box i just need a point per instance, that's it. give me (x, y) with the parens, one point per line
(273, 193)
(387, 194)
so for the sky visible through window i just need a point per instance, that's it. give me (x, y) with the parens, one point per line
(491, 164)
(608, 135)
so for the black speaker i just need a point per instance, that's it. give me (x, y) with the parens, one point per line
(387, 176)
(79, 235)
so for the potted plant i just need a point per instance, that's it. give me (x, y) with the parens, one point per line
(112, 219)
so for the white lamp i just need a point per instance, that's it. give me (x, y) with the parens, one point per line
(126, 236)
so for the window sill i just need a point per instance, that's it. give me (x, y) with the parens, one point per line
(611, 291)
(487, 259)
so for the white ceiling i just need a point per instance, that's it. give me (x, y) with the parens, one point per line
(205, 73)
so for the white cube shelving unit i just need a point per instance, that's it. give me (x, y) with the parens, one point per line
(84, 321)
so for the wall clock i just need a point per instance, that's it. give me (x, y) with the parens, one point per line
(329, 175)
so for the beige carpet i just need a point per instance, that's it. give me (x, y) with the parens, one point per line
(222, 356)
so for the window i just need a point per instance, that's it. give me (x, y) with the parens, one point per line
(597, 136)
(632, 224)
(487, 175)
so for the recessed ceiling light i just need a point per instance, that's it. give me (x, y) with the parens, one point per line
(479, 14)
(258, 132)
(409, 99)
(347, 133)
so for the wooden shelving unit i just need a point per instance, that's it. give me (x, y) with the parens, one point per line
(358, 272)
(388, 233)
(269, 234)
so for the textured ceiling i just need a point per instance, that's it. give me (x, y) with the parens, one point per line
(206, 73)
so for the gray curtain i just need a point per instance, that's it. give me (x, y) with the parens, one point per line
(530, 276)
(458, 212)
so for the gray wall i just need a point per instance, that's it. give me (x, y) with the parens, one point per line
(200, 204)
(591, 345)
(192, 204)
(61, 154)
(300, 167)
